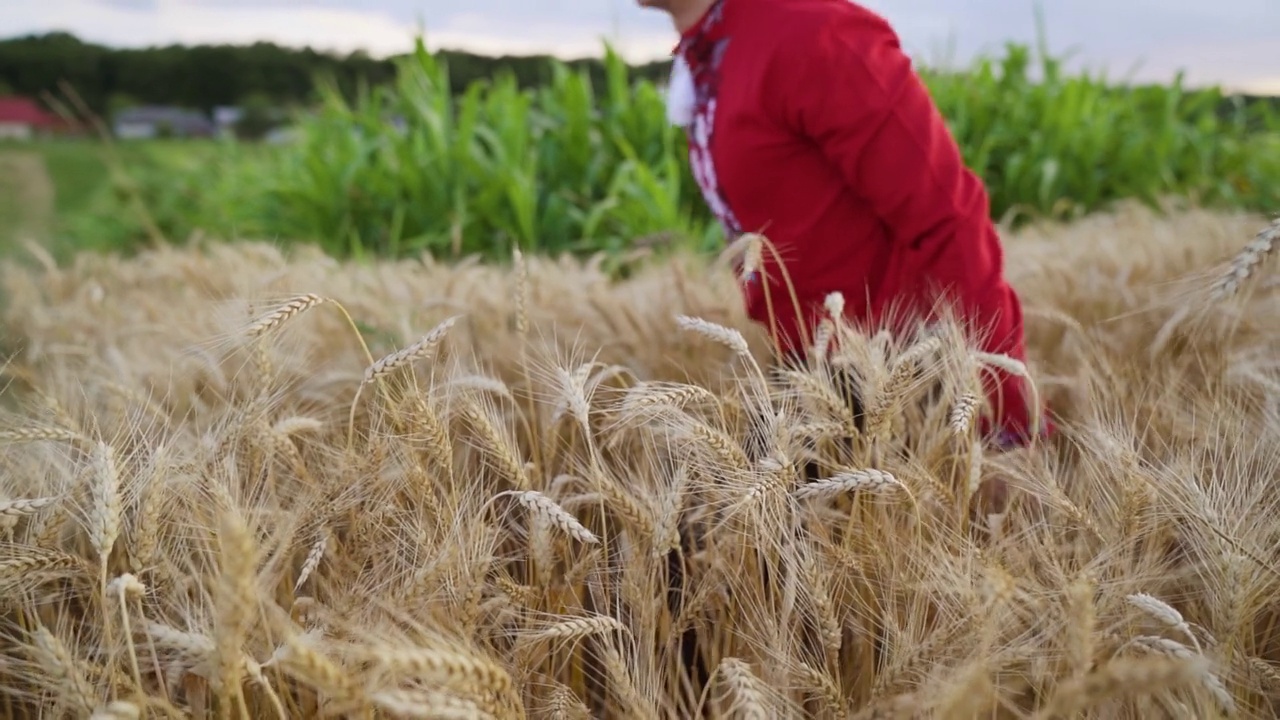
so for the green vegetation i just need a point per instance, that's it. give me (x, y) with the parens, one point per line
(580, 165)
(70, 189)
(564, 167)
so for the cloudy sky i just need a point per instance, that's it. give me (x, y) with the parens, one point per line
(1231, 42)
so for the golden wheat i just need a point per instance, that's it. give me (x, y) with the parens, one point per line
(582, 510)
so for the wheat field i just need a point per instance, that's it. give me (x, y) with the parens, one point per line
(240, 483)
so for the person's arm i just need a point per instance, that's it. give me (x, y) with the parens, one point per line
(852, 91)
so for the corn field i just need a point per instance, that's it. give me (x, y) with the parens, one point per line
(575, 168)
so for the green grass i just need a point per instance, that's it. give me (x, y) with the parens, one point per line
(83, 185)
(575, 167)
(78, 169)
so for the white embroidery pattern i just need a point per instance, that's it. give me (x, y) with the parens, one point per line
(680, 94)
(693, 97)
(704, 168)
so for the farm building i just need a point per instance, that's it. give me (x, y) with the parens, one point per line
(226, 118)
(22, 119)
(151, 122)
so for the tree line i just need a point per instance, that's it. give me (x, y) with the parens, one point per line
(260, 75)
(203, 77)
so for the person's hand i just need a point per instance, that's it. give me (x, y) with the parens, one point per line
(997, 491)
(1007, 440)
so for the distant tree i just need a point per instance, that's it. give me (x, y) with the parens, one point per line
(207, 76)
(119, 101)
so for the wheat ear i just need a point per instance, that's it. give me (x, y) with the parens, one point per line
(63, 669)
(235, 599)
(1165, 614)
(752, 702)
(379, 369)
(1119, 677)
(39, 434)
(727, 336)
(283, 313)
(870, 480)
(1244, 264)
(21, 508)
(546, 508)
(1018, 368)
(117, 710)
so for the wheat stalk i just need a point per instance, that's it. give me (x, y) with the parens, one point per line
(870, 480)
(235, 600)
(638, 517)
(117, 710)
(104, 524)
(1174, 649)
(961, 419)
(125, 588)
(291, 426)
(715, 332)
(1243, 265)
(752, 702)
(649, 395)
(1019, 369)
(546, 508)
(420, 349)
(22, 508)
(565, 705)
(455, 670)
(64, 671)
(25, 560)
(821, 684)
(634, 704)
(579, 628)
(1164, 613)
(1266, 672)
(826, 396)
(1083, 622)
(314, 556)
(37, 434)
(193, 648)
(306, 664)
(1120, 677)
(509, 462)
(147, 535)
(427, 704)
(726, 336)
(283, 313)
(378, 369)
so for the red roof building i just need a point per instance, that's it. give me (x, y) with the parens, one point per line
(22, 118)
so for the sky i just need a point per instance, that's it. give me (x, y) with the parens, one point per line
(1228, 42)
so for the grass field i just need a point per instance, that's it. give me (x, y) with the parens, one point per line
(56, 192)
(26, 195)
(437, 491)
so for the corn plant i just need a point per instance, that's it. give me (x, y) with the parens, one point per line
(421, 166)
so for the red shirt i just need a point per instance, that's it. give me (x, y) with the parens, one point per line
(811, 127)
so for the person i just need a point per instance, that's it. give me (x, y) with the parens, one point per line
(808, 125)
